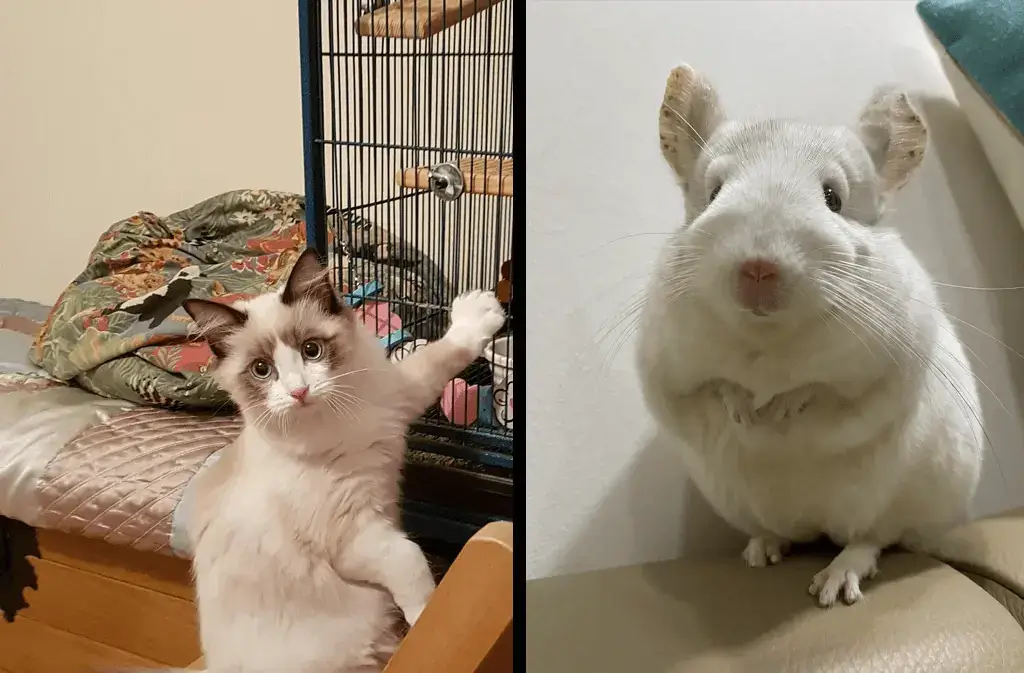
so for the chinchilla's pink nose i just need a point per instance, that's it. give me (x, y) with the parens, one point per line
(758, 285)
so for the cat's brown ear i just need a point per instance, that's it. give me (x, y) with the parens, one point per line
(215, 321)
(310, 281)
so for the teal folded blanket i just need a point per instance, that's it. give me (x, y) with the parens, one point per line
(986, 39)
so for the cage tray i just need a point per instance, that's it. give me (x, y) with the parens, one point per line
(490, 176)
(418, 19)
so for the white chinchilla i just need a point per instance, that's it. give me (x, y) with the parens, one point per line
(794, 349)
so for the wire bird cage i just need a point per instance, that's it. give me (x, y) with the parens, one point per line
(407, 116)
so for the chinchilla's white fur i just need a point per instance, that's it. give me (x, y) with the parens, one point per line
(850, 410)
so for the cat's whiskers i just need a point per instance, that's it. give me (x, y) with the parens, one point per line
(348, 398)
(344, 374)
(342, 404)
(255, 405)
(284, 423)
(263, 418)
(339, 408)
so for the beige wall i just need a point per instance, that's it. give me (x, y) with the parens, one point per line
(114, 106)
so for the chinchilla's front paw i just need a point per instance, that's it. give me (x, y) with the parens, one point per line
(792, 403)
(476, 316)
(785, 405)
(739, 402)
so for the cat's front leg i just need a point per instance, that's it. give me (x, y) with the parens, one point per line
(379, 553)
(476, 316)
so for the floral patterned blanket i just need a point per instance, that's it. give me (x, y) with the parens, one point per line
(118, 329)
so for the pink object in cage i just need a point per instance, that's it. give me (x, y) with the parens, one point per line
(459, 402)
(378, 317)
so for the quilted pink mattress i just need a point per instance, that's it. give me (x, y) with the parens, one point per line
(83, 464)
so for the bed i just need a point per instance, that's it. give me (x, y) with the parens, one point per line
(105, 584)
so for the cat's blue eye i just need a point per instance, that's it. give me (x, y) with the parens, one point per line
(312, 350)
(261, 369)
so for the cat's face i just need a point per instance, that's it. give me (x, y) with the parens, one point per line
(283, 356)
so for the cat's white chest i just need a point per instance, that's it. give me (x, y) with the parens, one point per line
(258, 558)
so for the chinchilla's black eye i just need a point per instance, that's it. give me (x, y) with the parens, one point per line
(714, 193)
(832, 200)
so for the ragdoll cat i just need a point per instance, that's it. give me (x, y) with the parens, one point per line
(299, 560)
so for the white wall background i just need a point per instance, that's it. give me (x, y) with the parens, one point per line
(598, 494)
(115, 106)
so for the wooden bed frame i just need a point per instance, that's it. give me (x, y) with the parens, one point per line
(101, 606)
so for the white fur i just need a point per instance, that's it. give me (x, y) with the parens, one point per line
(299, 614)
(858, 420)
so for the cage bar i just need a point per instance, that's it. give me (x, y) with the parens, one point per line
(390, 94)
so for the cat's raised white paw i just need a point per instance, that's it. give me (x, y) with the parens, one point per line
(843, 576)
(476, 316)
(765, 551)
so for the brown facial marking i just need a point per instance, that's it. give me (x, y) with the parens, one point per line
(253, 389)
(304, 322)
(244, 347)
(294, 336)
(335, 353)
(258, 348)
(307, 321)
(263, 350)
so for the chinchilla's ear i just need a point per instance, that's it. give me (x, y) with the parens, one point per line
(689, 114)
(895, 135)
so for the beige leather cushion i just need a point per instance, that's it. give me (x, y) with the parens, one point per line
(721, 617)
(991, 548)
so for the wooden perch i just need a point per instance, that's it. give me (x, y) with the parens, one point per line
(481, 175)
(418, 19)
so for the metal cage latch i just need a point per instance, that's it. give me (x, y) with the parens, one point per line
(446, 182)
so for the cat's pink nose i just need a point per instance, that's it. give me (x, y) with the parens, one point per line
(758, 285)
(300, 393)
